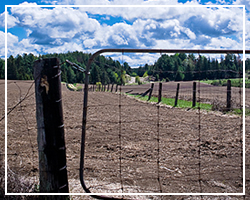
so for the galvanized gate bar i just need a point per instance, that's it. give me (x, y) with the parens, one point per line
(85, 101)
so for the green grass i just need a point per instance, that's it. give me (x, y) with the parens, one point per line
(75, 87)
(142, 83)
(238, 111)
(79, 87)
(188, 104)
(170, 102)
(235, 82)
(247, 112)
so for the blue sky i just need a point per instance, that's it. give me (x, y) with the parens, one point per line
(62, 29)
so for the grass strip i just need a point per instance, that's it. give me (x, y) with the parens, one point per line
(238, 111)
(170, 102)
(236, 82)
(188, 104)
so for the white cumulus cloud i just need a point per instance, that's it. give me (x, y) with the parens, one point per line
(63, 29)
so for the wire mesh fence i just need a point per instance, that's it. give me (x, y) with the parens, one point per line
(164, 149)
(134, 146)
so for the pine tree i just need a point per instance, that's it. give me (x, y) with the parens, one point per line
(2, 67)
(95, 74)
(11, 69)
(188, 74)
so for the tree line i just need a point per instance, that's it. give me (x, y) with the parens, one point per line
(177, 67)
(104, 69)
(183, 67)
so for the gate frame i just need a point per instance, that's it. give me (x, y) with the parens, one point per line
(86, 83)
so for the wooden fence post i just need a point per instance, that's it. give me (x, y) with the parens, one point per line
(150, 93)
(108, 88)
(99, 88)
(145, 93)
(194, 94)
(160, 92)
(50, 127)
(177, 95)
(228, 94)
(116, 88)
(112, 87)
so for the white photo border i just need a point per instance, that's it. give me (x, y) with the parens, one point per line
(140, 6)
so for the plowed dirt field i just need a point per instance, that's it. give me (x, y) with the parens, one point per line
(131, 146)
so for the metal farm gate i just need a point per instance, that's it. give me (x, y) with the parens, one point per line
(200, 142)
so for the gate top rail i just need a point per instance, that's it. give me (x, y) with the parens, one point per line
(199, 51)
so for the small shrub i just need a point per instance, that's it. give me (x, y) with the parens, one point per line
(224, 83)
(98, 85)
(134, 74)
(79, 88)
(138, 80)
(145, 74)
(215, 83)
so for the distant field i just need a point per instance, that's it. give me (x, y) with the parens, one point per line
(236, 82)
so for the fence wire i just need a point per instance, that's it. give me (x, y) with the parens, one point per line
(136, 156)
(135, 146)
(202, 97)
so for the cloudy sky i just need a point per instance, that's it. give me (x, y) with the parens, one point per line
(41, 30)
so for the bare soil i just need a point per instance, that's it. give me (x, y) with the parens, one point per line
(135, 147)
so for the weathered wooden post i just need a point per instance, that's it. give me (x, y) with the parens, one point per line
(99, 88)
(112, 87)
(177, 95)
(228, 94)
(160, 92)
(150, 93)
(108, 88)
(50, 127)
(194, 94)
(116, 88)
